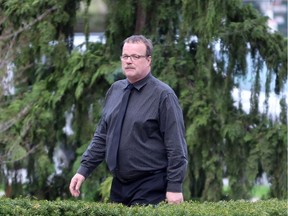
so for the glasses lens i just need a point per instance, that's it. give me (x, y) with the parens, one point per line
(132, 57)
(135, 57)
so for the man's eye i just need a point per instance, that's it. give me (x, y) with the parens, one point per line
(135, 56)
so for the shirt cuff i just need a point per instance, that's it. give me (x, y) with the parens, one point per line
(174, 187)
(83, 171)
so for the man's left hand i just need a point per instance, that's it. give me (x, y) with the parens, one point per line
(174, 198)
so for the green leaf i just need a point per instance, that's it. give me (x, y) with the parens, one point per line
(17, 153)
(79, 90)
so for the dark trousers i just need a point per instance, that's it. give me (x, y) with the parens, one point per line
(150, 189)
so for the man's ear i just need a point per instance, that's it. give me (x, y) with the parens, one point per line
(150, 60)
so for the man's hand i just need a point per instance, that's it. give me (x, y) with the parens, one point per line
(75, 184)
(174, 198)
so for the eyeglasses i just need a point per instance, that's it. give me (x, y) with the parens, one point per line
(133, 57)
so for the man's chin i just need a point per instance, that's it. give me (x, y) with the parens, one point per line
(129, 73)
(129, 70)
(131, 77)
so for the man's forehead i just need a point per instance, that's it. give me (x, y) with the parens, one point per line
(138, 45)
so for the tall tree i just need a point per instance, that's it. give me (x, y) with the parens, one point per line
(37, 41)
(202, 49)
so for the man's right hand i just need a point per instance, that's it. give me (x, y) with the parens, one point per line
(75, 184)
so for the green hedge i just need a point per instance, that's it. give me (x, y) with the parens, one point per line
(30, 207)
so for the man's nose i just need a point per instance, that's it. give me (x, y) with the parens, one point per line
(129, 59)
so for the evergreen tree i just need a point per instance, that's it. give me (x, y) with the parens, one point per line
(201, 49)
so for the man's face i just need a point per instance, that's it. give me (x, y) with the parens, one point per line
(135, 69)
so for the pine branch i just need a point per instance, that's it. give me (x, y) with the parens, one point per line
(6, 60)
(3, 159)
(3, 19)
(29, 25)
(6, 125)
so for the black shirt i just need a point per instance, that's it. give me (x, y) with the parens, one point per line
(153, 134)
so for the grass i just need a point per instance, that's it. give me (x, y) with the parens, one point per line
(258, 191)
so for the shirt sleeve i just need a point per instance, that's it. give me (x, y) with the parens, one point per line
(95, 153)
(173, 130)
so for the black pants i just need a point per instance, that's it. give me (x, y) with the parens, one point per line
(146, 190)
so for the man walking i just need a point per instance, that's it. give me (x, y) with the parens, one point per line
(141, 134)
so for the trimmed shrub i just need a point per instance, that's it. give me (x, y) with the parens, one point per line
(25, 206)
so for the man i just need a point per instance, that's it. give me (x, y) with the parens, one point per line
(151, 158)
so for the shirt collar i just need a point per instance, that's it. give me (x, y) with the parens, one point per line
(141, 83)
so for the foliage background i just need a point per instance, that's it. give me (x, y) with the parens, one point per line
(52, 78)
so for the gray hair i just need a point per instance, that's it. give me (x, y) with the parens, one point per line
(143, 39)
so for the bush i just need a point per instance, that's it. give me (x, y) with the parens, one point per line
(30, 207)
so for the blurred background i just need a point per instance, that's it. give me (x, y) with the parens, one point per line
(226, 60)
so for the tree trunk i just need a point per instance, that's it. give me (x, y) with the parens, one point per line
(141, 18)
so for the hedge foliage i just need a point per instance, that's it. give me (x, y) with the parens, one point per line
(25, 206)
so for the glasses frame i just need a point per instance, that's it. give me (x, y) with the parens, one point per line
(133, 57)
